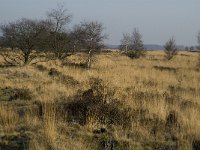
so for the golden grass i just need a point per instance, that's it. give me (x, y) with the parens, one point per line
(139, 84)
(8, 119)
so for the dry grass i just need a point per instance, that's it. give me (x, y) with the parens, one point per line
(158, 100)
(8, 119)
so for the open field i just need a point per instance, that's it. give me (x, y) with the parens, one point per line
(120, 104)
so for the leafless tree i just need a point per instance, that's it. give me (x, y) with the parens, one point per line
(126, 42)
(134, 44)
(23, 37)
(170, 49)
(191, 48)
(59, 18)
(60, 40)
(137, 41)
(89, 36)
(187, 48)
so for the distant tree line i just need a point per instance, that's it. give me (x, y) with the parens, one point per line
(132, 46)
(33, 41)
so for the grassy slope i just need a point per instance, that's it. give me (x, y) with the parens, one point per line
(160, 97)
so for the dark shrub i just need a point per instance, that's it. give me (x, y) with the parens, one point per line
(98, 103)
(22, 94)
(196, 145)
(10, 94)
(41, 68)
(14, 142)
(170, 49)
(135, 54)
(54, 72)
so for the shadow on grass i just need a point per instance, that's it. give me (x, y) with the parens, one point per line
(7, 65)
(76, 65)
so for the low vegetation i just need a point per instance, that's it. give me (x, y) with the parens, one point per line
(120, 103)
(132, 45)
(60, 90)
(170, 49)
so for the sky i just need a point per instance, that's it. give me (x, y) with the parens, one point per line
(157, 20)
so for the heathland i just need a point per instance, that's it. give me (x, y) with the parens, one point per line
(119, 103)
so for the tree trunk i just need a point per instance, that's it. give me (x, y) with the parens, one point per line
(26, 57)
(89, 61)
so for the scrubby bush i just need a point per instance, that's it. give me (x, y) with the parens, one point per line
(97, 106)
(170, 49)
(135, 54)
(133, 45)
(11, 94)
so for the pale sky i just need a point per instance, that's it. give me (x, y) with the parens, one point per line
(157, 20)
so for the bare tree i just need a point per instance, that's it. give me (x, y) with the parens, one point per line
(22, 36)
(126, 42)
(135, 45)
(187, 48)
(137, 41)
(90, 37)
(170, 49)
(59, 18)
(191, 48)
(59, 39)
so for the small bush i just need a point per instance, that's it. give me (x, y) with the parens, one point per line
(97, 106)
(54, 72)
(170, 49)
(15, 142)
(135, 54)
(196, 145)
(41, 68)
(11, 94)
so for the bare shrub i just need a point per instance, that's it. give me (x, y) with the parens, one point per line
(170, 49)
(133, 45)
